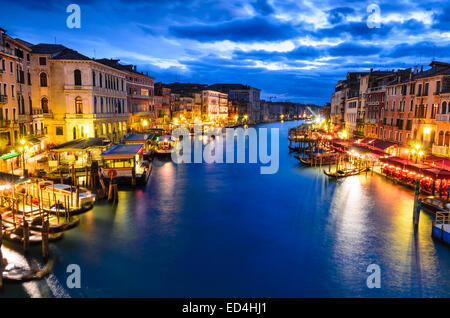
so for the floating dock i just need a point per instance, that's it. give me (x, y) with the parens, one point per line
(441, 227)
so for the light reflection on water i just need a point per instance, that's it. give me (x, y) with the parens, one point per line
(206, 230)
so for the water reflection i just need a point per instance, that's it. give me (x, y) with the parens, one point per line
(221, 230)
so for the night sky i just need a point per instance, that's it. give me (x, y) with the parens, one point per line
(293, 50)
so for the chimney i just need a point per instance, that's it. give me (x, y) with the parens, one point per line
(134, 68)
(371, 70)
(410, 76)
(415, 69)
(421, 68)
(146, 73)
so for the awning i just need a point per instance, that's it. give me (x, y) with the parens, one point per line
(79, 145)
(122, 151)
(421, 168)
(10, 155)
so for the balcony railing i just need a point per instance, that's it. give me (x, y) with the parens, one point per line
(3, 99)
(440, 150)
(443, 117)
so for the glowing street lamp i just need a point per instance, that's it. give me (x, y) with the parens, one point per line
(145, 123)
(22, 151)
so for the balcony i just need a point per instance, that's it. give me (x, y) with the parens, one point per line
(3, 99)
(440, 150)
(96, 116)
(443, 117)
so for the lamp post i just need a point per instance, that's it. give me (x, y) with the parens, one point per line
(22, 149)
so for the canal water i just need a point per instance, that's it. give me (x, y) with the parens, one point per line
(225, 230)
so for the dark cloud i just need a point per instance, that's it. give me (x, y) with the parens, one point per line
(255, 29)
(423, 50)
(353, 49)
(357, 30)
(337, 15)
(262, 7)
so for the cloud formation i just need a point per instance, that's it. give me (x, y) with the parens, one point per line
(288, 48)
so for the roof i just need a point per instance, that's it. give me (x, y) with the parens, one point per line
(59, 52)
(123, 150)
(7, 178)
(138, 137)
(79, 144)
(114, 63)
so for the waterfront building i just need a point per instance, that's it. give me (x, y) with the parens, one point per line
(76, 96)
(398, 112)
(246, 99)
(214, 106)
(140, 95)
(163, 105)
(374, 100)
(15, 92)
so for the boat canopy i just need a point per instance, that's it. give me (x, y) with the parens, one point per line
(138, 138)
(123, 151)
(165, 138)
(79, 145)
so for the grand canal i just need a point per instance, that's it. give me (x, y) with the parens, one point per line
(225, 230)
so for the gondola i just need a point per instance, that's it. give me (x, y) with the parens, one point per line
(344, 173)
(35, 222)
(18, 274)
(432, 204)
(16, 235)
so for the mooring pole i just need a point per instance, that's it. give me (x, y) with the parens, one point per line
(417, 213)
(1, 255)
(45, 240)
(26, 236)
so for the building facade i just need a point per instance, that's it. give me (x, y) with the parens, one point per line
(78, 97)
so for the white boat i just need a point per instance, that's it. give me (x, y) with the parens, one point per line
(69, 193)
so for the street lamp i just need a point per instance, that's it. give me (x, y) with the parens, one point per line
(22, 150)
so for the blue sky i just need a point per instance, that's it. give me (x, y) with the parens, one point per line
(292, 50)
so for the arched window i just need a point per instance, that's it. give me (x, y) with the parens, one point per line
(441, 138)
(444, 108)
(43, 79)
(44, 105)
(95, 105)
(447, 139)
(78, 105)
(93, 78)
(77, 77)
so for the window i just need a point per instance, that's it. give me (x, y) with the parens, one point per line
(93, 78)
(419, 91)
(78, 106)
(95, 105)
(29, 78)
(3, 65)
(77, 77)
(441, 138)
(438, 87)
(425, 89)
(101, 80)
(444, 108)
(43, 79)
(42, 60)
(11, 67)
(411, 106)
(13, 93)
(44, 105)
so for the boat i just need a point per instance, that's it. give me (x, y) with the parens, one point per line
(13, 273)
(345, 172)
(432, 204)
(16, 235)
(35, 221)
(164, 145)
(65, 193)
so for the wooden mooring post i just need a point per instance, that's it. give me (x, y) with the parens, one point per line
(26, 236)
(45, 240)
(1, 255)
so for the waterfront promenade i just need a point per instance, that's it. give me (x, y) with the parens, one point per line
(223, 230)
